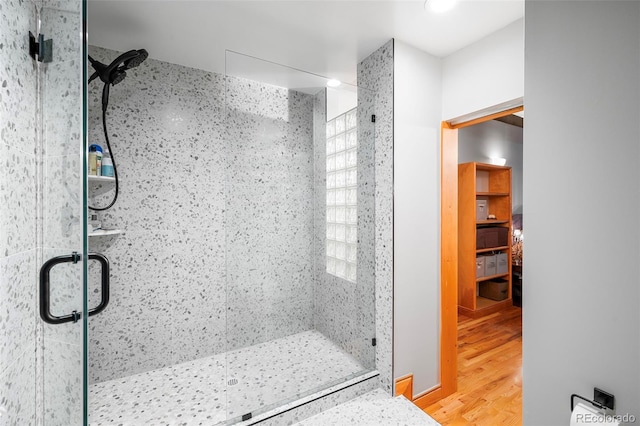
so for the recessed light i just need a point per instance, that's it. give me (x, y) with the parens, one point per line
(439, 6)
(334, 83)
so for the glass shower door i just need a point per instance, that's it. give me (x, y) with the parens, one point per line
(300, 210)
(61, 230)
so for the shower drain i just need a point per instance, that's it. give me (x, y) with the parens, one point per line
(232, 382)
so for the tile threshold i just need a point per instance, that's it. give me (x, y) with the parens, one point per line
(309, 398)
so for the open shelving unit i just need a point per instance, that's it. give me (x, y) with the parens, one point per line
(478, 181)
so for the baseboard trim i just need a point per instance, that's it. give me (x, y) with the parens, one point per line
(404, 386)
(428, 398)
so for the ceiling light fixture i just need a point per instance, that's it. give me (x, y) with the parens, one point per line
(334, 83)
(439, 6)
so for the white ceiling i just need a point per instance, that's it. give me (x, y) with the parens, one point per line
(327, 38)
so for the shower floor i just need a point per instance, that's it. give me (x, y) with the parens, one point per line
(211, 390)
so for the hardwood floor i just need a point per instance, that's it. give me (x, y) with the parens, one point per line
(489, 373)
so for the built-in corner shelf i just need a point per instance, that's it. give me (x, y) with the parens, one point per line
(100, 184)
(101, 179)
(105, 232)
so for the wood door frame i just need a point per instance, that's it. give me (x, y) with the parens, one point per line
(449, 250)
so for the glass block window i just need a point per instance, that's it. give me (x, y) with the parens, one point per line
(342, 196)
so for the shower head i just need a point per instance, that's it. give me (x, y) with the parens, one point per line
(136, 60)
(116, 71)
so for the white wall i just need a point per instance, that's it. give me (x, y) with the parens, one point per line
(494, 139)
(417, 94)
(581, 299)
(486, 73)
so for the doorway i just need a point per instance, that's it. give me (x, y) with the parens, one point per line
(449, 245)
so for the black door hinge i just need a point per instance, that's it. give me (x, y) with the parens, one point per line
(373, 118)
(373, 342)
(40, 50)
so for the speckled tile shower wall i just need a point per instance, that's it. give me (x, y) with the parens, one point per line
(183, 226)
(269, 212)
(17, 218)
(376, 73)
(168, 298)
(344, 311)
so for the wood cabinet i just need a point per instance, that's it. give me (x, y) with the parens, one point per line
(490, 185)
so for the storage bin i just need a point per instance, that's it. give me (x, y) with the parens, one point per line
(480, 266)
(490, 265)
(492, 236)
(481, 210)
(502, 265)
(495, 289)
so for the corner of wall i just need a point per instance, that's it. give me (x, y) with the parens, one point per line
(376, 74)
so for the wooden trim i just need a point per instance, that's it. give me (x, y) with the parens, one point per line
(448, 260)
(449, 251)
(428, 398)
(404, 386)
(486, 118)
(478, 313)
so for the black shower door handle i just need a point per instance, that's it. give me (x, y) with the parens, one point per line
(104, 283)
(45, 288)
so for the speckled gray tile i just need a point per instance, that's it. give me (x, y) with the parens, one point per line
(119, 350)
(63, 388)
(63, 5)
(168, 268)
(17, 193)
(17, 76)
(196, 392)
(269, 212)
(17, 215)
(376, 74)
(61, 21)
(17, 306)
(277, 370)
(62, 202)
(18, 389)
(293, 412)
(62, 109)
(374, 408)
(366, 289)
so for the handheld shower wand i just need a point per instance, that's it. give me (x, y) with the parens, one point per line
(111, 75)
(116, 71)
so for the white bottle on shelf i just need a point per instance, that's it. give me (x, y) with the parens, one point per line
(107, 164)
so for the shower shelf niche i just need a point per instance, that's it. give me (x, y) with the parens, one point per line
(100, 184)
(105, 232)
